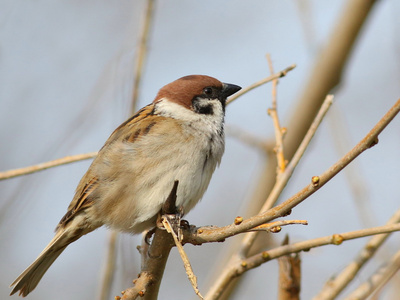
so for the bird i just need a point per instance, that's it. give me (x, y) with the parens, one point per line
(178, 137)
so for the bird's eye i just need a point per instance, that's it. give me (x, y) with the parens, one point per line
(208, 91)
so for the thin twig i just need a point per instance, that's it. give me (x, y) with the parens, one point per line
(335, 239)
(284, 178)
(185, 259)
(141, 52)
(46, 165)
(274, 82)
(377, 280)
(279, 132)
(334, 286)
(109, 267)
(261, 82)
(275, 226)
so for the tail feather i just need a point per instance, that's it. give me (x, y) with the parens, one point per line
(30, 278)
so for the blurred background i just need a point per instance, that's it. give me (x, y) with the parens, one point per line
(66, 82)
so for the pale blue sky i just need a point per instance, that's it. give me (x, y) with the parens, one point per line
(66, 72)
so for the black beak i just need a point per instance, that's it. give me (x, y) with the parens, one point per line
(229, 89)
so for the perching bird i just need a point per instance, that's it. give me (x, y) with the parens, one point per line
(179, 136)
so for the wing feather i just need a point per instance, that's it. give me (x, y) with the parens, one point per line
(137, 126)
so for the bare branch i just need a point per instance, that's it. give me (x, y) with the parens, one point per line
(377, 280)
(335, 285)
(148, 282)
(281, 182)
(275, 227)
(371, 139)
(289, 275)
(335, 239)
(141, 52)
(185, 259)
(261, 82)
(46, 165)
(279, 132)
(109, 267)
(284, 178)
(139, 288)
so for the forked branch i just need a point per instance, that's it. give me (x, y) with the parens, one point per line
(204, 235)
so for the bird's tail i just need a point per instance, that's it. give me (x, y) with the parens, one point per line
(30, 278)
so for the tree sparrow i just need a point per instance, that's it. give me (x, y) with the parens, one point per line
(180, 136)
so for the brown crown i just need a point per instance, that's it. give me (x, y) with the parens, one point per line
(183, 90)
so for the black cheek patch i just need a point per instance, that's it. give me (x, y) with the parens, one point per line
(202, 109)
(206, 110)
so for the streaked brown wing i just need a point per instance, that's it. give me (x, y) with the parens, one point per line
(138, 125)
(143, 113)
(82, 202)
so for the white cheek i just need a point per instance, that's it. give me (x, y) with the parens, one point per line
(212, 122)
(166, 108)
